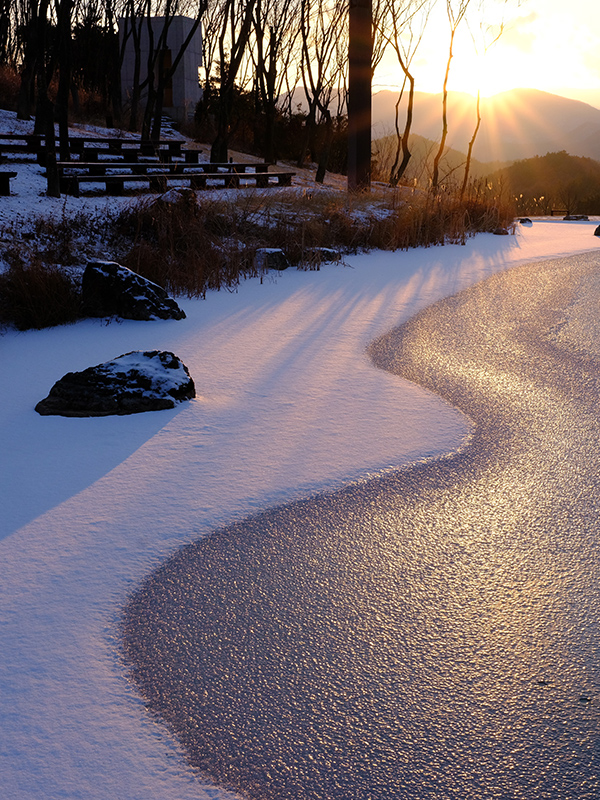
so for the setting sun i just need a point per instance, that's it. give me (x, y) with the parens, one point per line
(543, 45)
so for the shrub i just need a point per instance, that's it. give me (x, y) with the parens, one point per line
(36, 296)
(10, 82)
(175, 245)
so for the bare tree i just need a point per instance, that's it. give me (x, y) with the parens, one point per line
(28, 22)
(7, 33)
(159, 72)
(276, 31)
(403, 26)
(232, 39)
(322, 30)
(456, 12)
(487, 36)
(64, 52)
(146, 24)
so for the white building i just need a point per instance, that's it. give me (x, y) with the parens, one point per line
(183, 89)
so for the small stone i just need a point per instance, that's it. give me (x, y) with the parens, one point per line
(322, 255)
(525, 221)
(132, 383)
(270, 258)
(597, 231)
(501, 232)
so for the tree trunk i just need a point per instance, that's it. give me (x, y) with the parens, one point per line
(114, 88)
(394, 170)
(326, 149)
(406, 154)
(219, 152)
(137, 68)
(470, 150)
(45, 109)
(359, 95)
(270, 153)
(64, 80)
(442, 147)
(310, 124)
(26, 90)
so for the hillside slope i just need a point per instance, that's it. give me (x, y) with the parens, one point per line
(518, 124)
(555, 180)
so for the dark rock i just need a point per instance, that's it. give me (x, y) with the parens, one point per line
(525, 221)
(501, 232)
(270, 258)
(132, 383)
(108, 290)
(576, 217)
(597, 231)
(322, 255)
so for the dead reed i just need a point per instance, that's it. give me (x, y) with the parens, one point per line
(190, 244)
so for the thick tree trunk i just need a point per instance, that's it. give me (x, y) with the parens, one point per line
(270, 153)
(359, 95)
(310, 125)
(219, 152)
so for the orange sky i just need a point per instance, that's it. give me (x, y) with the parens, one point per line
(550, 45)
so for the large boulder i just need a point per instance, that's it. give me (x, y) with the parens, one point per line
(132, 383)
(109, 289)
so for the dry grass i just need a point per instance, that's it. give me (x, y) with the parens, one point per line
(184, 248)
(190, 244)
(36, 295)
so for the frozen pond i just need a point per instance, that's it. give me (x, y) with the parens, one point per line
(433, 633)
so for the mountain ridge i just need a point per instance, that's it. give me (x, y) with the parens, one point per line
(517, 124)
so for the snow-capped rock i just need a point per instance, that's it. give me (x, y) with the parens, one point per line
(129, 384)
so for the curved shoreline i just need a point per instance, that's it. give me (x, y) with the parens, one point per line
(282, 614)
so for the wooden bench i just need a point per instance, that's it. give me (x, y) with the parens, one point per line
(97, 167)
(25, 143)
(158, 178)
(91, 148)
(112, 145)
(5, 181)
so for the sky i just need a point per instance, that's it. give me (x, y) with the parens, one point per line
(546, 44)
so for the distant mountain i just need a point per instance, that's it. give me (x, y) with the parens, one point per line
(420, 166)
(555, 180)
(518, 124)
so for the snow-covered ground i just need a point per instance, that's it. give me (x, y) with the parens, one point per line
(288, 403)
